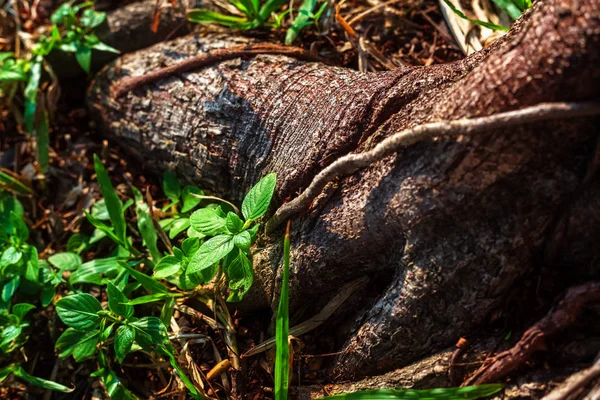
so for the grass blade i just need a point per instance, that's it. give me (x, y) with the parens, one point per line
(113, 203)
(39, 382)
(13, 183)
(146, 225)
(460, 393)
(282, 356)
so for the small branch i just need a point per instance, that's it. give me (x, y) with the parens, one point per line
(350, 163)
(203, 197)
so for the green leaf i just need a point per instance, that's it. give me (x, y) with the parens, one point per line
(282, 355)
(150, 332)
(123, 341)
(178, 226)
(150, 298)
(10, 288)
(147, 282)
(167, 311)
(510, 7)
(77, 243)
(94, 271)
(241, 276)
(4, 55)
(189, 200)
(117, 301)
(79, 311)
(171, 186)
(65, 261)
(61, 13)
(269, 8)
(99, 210)
(10, 256)
(467, 392)
(13, 184)
(47, 295)
(80, 345)
(20, 227)
(39, 382)
(192, 233)
(104, 47)
(257, 200)
(301, 20)
(243, 240)
(210, 253)
(83, 55)
(8, 335)
(488, 25)
(190, 246)
(167, 266)
(113, 203)
(21, 309)
(106, 231)
(208, 221)
(233, 223)
(146, 225)
(91, 18)
(5, 372)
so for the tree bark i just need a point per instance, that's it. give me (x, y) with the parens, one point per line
(445, 228)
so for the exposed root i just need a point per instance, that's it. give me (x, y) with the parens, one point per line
(532, 340)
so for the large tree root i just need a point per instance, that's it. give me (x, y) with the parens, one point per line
(534, 338)
(444, 227)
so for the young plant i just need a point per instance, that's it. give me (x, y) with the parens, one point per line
(255, 15)
(306, 17)
(78, 22)
(188, 197)
(230, 240)
(72, 32)
(22, 274)
(90, 327)
(282, 350)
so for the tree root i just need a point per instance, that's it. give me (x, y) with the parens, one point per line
(533, 339)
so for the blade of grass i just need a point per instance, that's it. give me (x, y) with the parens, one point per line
(210, 17)
(145, 224)
(467, 392)
(13, 183)
(113, 203)
(282, 362)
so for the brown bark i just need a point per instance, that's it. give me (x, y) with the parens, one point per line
(445, 227)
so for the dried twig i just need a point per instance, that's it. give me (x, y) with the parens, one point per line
(350, 163)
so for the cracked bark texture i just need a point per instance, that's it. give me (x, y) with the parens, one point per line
(446, 226)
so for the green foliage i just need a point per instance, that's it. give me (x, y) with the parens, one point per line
(467, 392)
(306, 17)
(135, 272)
(282, 351)
(231, 240)
(72, 32)
(257, 15)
